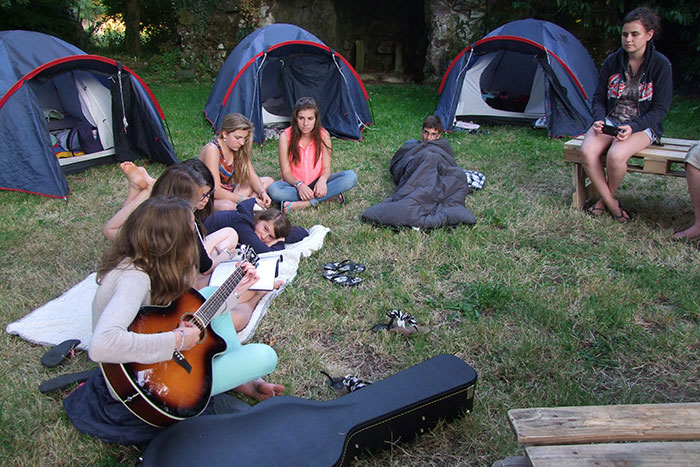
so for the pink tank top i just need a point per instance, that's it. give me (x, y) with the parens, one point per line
(307, 171)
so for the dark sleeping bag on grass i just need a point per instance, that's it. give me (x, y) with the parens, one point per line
(430, 189)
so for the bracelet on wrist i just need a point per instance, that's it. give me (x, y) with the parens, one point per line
(298, 184)
(182, 339)
(230, 256)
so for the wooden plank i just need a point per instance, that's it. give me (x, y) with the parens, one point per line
(677, 454)
(677, 153)
(580, 196)
(513, 461)
(606, 423)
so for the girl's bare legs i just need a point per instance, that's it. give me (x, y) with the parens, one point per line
(619, 152)
(224, 205)
(140, 186)
(693, 176)
(241, 313)
(216, 242)
(138, 179)
(618, 155)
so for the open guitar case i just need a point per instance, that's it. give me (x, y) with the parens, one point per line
(290, 430)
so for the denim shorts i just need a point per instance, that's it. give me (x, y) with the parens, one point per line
(649, 132)
(693, 156)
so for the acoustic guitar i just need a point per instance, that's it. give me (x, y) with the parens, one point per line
(163, 393)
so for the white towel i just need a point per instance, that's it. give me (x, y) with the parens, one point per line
(70, 315)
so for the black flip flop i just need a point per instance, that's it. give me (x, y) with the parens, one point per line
(64, 380)
(341, 278)
(345, 266)
(400, 322)
(336, 384)
(345, 385)
(57, 355)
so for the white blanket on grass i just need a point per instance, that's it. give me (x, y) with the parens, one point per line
(70, 315)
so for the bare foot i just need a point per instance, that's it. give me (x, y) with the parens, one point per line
(260, 390)
(691, 232)
(597, 209)
(292, 205)
(138, 176)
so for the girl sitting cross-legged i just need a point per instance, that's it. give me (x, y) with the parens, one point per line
(305, 151)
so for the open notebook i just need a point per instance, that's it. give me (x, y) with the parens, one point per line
(267, 269)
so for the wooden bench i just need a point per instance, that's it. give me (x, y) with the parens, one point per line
(639, 435)
(666, 159)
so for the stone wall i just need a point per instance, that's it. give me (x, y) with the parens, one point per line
(414, 38)
(452, 25)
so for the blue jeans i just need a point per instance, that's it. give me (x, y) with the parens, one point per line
(337, 183)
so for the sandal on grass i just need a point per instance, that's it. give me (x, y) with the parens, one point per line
(284, 206)
(401, 322)
(62, 381)
(60, 353)
(345, 266)
(340, 198)
(342, 278)
(624, 216)
(594, 211)
(345, 385)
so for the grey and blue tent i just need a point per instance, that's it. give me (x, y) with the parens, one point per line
(518, 73)
(57, 100)
(274, 66)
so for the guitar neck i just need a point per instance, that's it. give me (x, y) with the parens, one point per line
(211, 306)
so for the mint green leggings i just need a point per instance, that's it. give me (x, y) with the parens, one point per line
(240, 363)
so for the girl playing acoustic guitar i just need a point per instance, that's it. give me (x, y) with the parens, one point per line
(153, 262)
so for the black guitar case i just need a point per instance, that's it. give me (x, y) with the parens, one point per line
(289, 430)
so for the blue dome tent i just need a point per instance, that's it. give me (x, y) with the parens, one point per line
(48, 90)
(274, 66)
(519, 72)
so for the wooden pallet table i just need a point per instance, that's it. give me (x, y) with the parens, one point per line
(665, 159)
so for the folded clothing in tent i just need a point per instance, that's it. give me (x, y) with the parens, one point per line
(430, 188)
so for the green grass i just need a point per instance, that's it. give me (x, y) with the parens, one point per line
(551, 307)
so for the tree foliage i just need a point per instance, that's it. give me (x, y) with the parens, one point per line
(157, 19)
(53, 17)
(597, 25)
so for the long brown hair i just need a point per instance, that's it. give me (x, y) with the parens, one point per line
(157, 238)
(305, 103)
(201, 176)
(176, 182)
(230, 123)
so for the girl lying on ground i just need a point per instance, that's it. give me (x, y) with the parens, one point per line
(153, 261)
(228, 157)
(305, 151)
(191, 180)
(178, 181)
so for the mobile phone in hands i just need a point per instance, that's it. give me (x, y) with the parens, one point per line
(610, 130)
